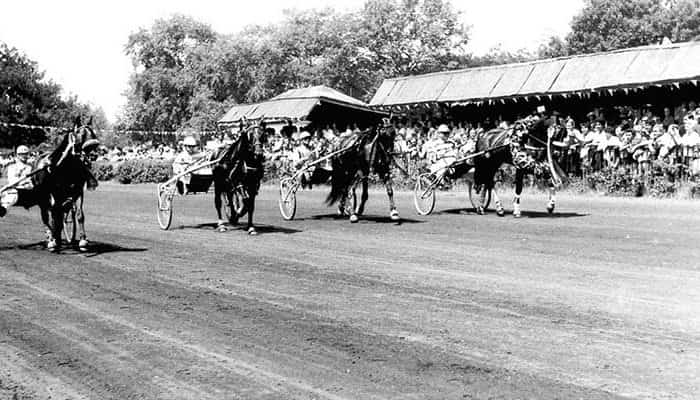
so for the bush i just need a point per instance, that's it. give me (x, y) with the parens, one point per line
(143, 171)
(103, 171)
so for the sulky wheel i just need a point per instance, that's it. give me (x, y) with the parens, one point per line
(288, 198)
(475, 193)
(165, 207)
(69, 226)
(424, 193)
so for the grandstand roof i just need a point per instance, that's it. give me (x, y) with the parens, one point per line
(620, 69)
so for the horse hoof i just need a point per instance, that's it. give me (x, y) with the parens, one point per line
(83, 245)
(480, 210)
(222, 229)
(550, 209)
(252, 231)
(394, 215)
(500, 212)
(354, 218)
(52, 246)
(517, 214)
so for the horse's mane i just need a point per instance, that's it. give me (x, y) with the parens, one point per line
(57, 152)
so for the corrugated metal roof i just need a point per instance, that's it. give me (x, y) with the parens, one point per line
(616, 69)
(293, 104)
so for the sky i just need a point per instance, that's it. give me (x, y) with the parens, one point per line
(80, 44)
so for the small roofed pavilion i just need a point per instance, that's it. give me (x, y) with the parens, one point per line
(318, 105)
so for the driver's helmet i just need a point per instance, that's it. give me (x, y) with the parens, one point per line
(189, 141)
(22, 150)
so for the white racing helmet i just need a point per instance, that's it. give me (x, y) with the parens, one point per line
(22, 149)
(189, 141)
(304, 135)
(443, 129)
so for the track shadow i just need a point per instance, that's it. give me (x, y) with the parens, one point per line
(369, 218)
(94, 249)
(544, 214)
(457, 211)
(525, 214)
(241, 227)
(29, 246)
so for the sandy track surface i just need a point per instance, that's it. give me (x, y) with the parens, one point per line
(600, 301)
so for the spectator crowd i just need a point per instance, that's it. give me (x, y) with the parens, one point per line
(636, 140)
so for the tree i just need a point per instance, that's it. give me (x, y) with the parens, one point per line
(606, 25)
(163, 84)
(407, 37)
(27, 98)
(555, 47)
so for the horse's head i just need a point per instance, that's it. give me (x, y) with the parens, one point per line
(84, 138)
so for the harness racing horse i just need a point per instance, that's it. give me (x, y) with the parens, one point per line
(527, 147)
(240, 169)
(58, 181)
(370, 153)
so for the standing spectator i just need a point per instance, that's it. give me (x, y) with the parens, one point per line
(668, 118)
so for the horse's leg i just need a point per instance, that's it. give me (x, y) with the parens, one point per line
(500, 211)
(519, 177)
(57, 213)
(393, 213)
(360, 209)
(482, 177)
(552, 199)
(221, 224)
(80, 217)
(251, 210)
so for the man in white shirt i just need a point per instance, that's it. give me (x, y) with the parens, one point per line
(184, 160)
(442, 152)
(17, 173)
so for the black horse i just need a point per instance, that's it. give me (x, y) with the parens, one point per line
(58, 183)
(527, 147)
(369, 152)
(240, 170)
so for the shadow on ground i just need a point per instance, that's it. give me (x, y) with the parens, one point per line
(213, 226)
(365, 218)
(525, 214)
(94, 249)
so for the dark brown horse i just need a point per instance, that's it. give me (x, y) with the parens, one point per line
(371, 152)
(527, 147)
(58, 182)
(239, 172)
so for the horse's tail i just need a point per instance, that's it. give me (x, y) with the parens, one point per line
(341, 178)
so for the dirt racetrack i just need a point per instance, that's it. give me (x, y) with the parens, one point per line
(600, 301)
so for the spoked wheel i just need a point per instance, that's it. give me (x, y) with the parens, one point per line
(475, 195)
(165, 207)
(424, 193)
(288, 198)
(69, 226)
